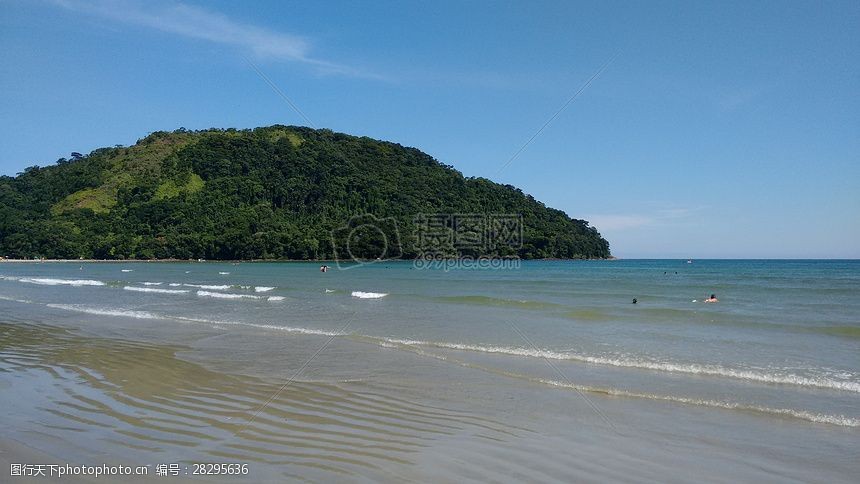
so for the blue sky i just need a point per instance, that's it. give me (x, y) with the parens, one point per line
(722, 129)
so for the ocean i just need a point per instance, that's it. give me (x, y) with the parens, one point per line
(389, 372)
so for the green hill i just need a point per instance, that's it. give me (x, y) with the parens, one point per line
(280, 192)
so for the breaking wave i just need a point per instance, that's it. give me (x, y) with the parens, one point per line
(105, 311)
(59, 282)
(840, 420)
(368, 295)
(224, 295)
(210, 287)
(691, 369)
(154, 289)
(287, 329)
(7, 298)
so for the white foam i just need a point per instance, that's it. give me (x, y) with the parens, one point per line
(263, 289)
(127, 270)
(276, 298)
(686, 368)
(329, 290)
(840, 420)
(152, 283)
(105, 311)
(174, 284)
(146, 315)
(222, 295)
(288, 329)
(224, 273)
(58, 282)
(210, 287)
(7, 298)
(368, 295)
(155, 289)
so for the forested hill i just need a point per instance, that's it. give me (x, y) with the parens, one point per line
(279, 192)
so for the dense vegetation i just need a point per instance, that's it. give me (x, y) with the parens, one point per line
(268, 193)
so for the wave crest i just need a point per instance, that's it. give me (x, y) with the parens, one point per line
(155, 289)
(60, 282)
(839, 420)
(368, 295)
(105, 311)
(224, 295)
(210, 287)
(686, 368)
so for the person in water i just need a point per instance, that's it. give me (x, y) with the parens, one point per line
(634, 300)
(712, 299)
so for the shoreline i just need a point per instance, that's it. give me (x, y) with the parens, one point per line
(238, 261)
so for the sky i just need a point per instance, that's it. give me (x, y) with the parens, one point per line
(678, 129)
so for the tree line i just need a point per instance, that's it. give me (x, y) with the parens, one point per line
(279, 192)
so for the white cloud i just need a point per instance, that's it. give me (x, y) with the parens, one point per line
(664, 216)
(734, 99)
(672, 213)
(202, 24)
(618, 222)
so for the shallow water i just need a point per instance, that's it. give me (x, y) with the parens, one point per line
(542, 373)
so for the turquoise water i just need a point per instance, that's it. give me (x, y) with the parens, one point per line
(784, 332)
(781, 347)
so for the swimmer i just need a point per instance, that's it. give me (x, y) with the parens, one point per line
(634, 300)
(712, 299)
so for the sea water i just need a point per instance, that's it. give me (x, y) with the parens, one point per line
(547, 371)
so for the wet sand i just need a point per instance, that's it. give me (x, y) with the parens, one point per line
(137, 403)
(71, 397)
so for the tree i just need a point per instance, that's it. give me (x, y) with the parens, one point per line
(274, 192)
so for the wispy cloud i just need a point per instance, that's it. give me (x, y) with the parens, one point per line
(202, 24)
(618, 222)
(663, 216)
(734, 99)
